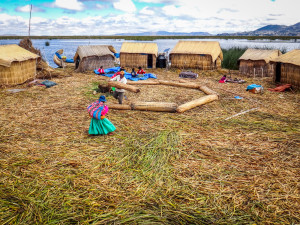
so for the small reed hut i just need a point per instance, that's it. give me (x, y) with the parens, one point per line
(135, 54)
(91, 57)
(256, 62)
(203, 55)
(17, 65)
(287, 68)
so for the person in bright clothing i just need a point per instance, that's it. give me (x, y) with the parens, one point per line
(102, 126)
(119, 93)
(141, 71)
(101, 70)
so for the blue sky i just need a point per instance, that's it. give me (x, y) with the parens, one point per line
(108, 17)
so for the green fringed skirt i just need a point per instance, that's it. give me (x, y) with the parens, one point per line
(98, 127)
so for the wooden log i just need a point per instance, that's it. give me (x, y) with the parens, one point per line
(197, 102)
(123, 86)
(143, 82)
(177, 84)
(207, 90)
(154, 106)
(119, 106)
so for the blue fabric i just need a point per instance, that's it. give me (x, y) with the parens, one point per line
(251, 86)
(110, 70)
(129, 76)
(117, 55)
(48, 83)
(58, 55)
(69, 60)
(238, 97)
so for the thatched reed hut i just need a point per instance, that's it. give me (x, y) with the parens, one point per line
(287, 68)
(256, 62)
(17, 65)
(91, 57)
(135, 54)
(203, 55)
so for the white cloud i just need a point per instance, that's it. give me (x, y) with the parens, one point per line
(69, 4)
(125, 5)
(147, 11)
(26, 8)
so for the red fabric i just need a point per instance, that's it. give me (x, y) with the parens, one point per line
(116, 74)
(281, 88)
(141, 71)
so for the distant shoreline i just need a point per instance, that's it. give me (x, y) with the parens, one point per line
(151, 38)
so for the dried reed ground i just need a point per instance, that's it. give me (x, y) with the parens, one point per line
(158, 168)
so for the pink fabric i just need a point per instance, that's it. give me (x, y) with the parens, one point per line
(222, 80)
(101, 71)
(104, 111)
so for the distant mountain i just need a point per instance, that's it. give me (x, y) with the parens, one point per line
(165, 33)
(270, 30)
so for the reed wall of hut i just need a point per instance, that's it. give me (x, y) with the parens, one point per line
(287, 68)
(287, 74)
(202, 62)
(203, 55)
(256, 68)
(18, 72)
(94, 62)
(134, 60)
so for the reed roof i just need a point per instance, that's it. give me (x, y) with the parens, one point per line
(12, 53)
(139, 47)
(94, 50)
(292, 57)
(199, 47)
(260, 54)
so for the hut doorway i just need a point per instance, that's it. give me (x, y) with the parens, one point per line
(278, 72)
(150, 61)
(77, 62)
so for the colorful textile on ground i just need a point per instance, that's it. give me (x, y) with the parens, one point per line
(101, 127)
(95, 110)
(251, 86)
(48, 83)
(127, 75)
(281, 88)
(188, 74)
(112, 69)
(254, 88)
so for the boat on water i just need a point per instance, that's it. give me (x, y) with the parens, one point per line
(60, 60)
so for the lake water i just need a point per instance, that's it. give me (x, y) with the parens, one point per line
(70, 45)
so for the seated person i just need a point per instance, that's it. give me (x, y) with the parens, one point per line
(101, 70)
(122, 68)
(223, 79)
(141, 71)
(133, 73)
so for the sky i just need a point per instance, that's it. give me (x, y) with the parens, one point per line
(110, 17)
